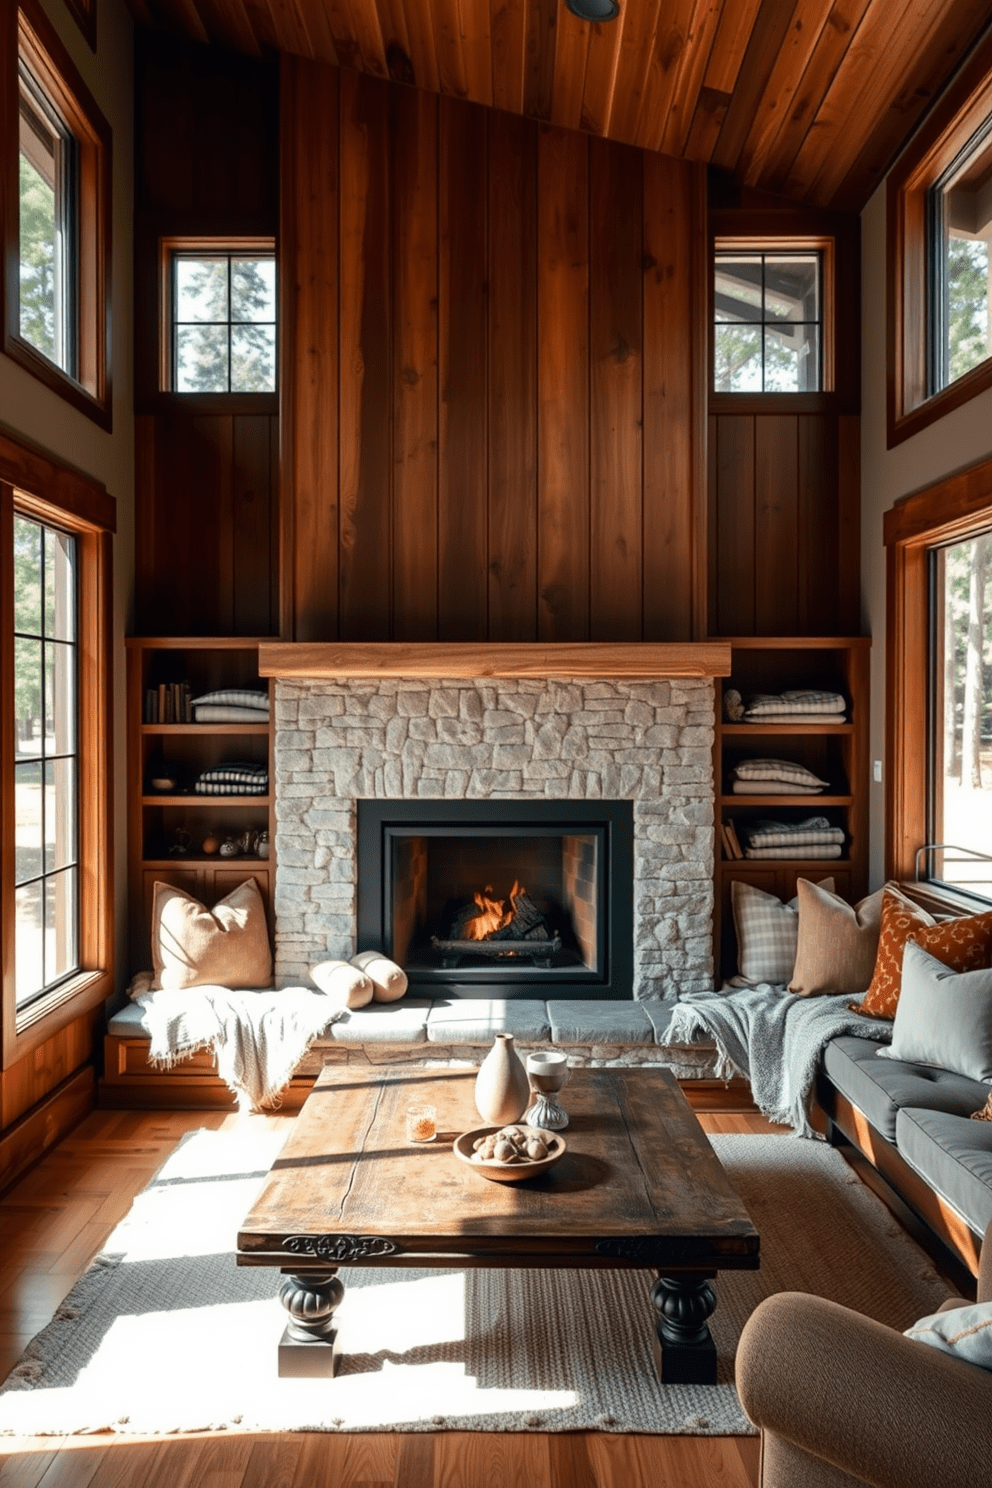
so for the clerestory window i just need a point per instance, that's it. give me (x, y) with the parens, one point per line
(221, 329)
(768, 321)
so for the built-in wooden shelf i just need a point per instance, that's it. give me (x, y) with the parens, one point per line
(746, 730)
(837, 752)
(442, 659)
(776, 800)
(164, 798)
(204, 728)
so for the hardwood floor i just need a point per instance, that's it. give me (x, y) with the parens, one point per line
(58, 1216)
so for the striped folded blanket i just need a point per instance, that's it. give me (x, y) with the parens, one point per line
(813, 850)
(814, 831)
(238, 778)
(796, 718)
(229, 788)
(774, 788)
(228, 713)
(797, 701)
(236, 697)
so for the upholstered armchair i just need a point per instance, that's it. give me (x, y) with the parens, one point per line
(843, 1401)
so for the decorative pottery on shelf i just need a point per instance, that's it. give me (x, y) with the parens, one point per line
(501, 1086)
(547, 1073)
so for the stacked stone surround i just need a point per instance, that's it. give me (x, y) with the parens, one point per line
(646, 742)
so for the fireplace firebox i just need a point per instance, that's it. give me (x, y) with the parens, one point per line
(500, 898)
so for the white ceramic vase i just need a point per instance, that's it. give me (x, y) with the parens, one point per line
(501, 1086)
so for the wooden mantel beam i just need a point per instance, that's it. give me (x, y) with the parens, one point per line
(443, 659)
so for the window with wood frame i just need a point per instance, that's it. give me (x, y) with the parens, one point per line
(56, 204)
(774, 312)
(219, 316)
(939, 239)
(56, 684)
(939, 685)
(768, 320)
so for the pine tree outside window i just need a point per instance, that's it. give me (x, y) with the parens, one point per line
(959, 207)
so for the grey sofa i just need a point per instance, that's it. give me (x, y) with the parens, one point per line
(842, 1400)
(912, 1124)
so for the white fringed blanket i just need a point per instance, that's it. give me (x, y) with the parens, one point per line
(258, 1038)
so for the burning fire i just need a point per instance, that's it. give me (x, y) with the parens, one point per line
(493, 912)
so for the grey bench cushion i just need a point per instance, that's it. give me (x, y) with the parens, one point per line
(880, 1087)
(477, 1020)
(599, 1022)
(954, 1156)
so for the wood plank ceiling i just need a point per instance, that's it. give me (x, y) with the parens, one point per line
(809, 99)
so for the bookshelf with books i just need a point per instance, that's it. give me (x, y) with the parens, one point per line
(834, 752)
(200, 802)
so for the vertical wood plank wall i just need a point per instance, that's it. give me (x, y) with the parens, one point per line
(488, 410)
(206, 476)
(784, 515)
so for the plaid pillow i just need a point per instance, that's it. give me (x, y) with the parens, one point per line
(773, 769)
(767, 932)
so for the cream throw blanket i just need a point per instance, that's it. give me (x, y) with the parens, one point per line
(258, 1038)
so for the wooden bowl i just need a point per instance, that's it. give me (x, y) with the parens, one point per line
(498, 1172)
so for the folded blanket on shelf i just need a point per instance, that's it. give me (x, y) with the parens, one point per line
(796, 701)
(798, 850)
(230, 788)
(777, 769)
(258, 1038)
(774, 1039)
(228, 713)
(814, 829)
(774, 788)
(236, 697)
(796, 718)
(238, 778)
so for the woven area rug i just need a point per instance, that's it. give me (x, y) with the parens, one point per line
(165, 1334)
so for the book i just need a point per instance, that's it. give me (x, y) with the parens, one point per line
(728, 851)
(731, 832)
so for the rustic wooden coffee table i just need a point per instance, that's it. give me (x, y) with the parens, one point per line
(639, 1187)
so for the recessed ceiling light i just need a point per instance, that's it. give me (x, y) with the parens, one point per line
(594, 10)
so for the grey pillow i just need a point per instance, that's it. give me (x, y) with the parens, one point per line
(943, 1017)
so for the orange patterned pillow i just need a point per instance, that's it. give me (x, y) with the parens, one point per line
(963, 944)
(900, 920)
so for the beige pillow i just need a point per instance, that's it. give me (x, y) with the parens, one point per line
(389, 981)
(345, 984)
(837, 943)
(193, 946)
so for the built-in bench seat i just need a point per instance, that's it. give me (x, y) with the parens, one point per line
(442, 1031)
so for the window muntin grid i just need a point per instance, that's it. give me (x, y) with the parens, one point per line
(768, 321)
(46, 758)
(223, 322)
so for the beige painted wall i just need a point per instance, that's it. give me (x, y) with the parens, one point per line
(960, 439)
(27, 407)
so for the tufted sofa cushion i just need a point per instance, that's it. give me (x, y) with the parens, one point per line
(954, 1156)
(879, 1087)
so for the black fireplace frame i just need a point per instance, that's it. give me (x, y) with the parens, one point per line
(379, 821)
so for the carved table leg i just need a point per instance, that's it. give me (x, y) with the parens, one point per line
(308, 1347)
(684, 1351)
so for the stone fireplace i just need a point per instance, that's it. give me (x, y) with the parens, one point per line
(504, 742)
